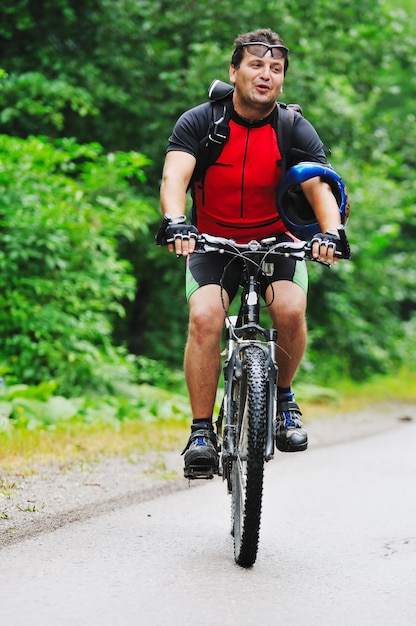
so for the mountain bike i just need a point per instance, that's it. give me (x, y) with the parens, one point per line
(247, 417)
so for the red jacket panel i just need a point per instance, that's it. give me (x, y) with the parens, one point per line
(237, 197)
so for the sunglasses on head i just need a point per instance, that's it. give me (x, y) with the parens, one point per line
(260, 49)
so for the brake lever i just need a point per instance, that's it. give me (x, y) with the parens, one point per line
(346, 254)
(295, 250)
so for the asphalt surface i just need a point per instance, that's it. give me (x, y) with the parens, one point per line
(337, 546)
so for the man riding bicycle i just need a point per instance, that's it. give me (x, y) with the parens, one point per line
(236, 198)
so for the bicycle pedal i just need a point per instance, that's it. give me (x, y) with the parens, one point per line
(199, 472)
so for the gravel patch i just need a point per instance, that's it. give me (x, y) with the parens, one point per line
(53, 496)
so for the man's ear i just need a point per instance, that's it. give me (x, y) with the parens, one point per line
(233, 72)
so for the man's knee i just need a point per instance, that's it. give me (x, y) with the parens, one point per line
(291, 319)
(204, 321)
(206, 316)
(289, 306)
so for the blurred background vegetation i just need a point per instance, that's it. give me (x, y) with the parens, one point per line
(89, 92)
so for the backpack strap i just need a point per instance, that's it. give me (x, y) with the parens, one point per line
(220, 94)
(291, 155)
(218, 90)
(285, 121)
(211, 145)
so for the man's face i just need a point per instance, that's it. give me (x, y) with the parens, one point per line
(258, 81)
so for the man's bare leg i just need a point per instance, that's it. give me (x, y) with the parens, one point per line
(202, 353)
(288, 312)
(202, 368)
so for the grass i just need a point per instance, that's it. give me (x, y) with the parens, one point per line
(398, 388)
(22, 450)
(350, 396)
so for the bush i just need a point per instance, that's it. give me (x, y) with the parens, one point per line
(64, 208)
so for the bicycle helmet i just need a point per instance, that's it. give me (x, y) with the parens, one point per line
(294, 209)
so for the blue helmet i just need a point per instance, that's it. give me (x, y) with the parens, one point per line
(294, 209)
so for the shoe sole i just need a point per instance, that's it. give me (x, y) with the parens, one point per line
(288, 448)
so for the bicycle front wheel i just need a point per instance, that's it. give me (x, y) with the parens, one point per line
(248, 466)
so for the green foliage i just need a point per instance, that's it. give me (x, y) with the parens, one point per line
(33, 101)
(63, 210)
(361, 315)
(126, 70)
(32, 408)
(159, 374)
(121, 72)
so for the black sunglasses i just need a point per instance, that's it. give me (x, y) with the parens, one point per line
(260, 49)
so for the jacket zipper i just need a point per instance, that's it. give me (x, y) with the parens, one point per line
(242, 176)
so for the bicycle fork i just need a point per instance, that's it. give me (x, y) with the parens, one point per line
(271, 372)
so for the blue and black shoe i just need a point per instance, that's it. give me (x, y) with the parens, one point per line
(201, 452)
(290, 433)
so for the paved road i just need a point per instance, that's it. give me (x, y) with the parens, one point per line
(338, 547)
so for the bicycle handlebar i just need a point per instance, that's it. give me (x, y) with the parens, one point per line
(297, 250)
(300, 250)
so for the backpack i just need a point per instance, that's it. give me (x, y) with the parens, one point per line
(210, 147)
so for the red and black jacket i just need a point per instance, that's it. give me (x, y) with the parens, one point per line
(236, 196)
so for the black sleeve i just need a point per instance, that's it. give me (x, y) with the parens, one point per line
(190, 129)
(306, 143)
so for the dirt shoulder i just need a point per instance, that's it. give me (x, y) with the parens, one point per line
(53, 496)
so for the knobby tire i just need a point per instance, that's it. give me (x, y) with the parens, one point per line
(248, 466)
